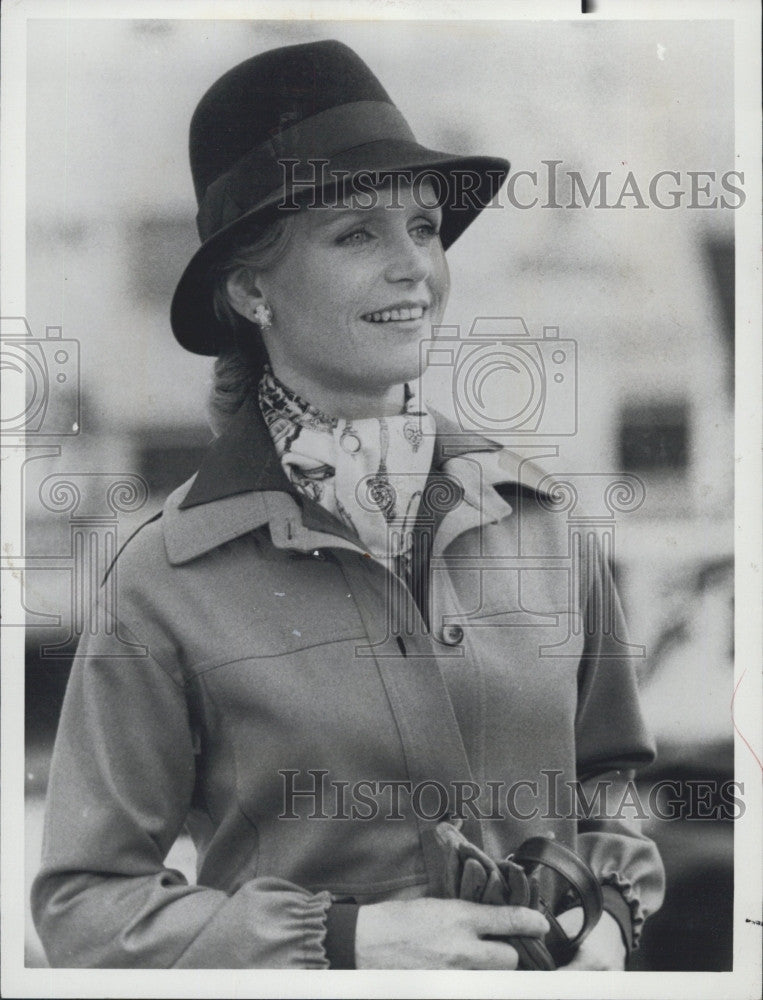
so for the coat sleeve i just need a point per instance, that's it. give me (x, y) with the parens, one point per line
(121, 784)
(612, 742)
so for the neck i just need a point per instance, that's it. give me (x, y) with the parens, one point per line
(347, 402)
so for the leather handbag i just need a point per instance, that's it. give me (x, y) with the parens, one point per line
(471, 875)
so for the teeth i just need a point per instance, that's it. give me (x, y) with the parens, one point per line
(395, 315)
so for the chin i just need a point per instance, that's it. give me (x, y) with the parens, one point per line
(401, 366)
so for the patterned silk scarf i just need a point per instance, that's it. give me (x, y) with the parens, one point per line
(369, 473)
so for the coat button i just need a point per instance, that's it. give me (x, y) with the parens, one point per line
(452, 635)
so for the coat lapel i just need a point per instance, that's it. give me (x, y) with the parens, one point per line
(241, 486)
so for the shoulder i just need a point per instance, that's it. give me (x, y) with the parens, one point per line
(513, 473)
(142, 540)
(523, 477)
(534, 498)
(515, 476)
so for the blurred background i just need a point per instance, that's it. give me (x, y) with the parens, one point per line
(117, 419)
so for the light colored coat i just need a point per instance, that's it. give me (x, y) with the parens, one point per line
(268, 653)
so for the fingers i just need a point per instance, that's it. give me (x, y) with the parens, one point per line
(449, 839)
(468, 850)
(494, 893)
(494, 955)
(452, 874)
(505, 921)
(516, 880)
(449, 836)
(473, 881)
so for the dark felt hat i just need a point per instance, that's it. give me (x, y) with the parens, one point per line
(288, 120)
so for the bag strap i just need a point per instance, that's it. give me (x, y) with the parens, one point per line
(542, 851)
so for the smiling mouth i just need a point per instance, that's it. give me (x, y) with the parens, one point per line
(398, 314)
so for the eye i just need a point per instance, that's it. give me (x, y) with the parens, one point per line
(424, 229)
(356, 238)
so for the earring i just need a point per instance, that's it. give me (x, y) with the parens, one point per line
(262, 315)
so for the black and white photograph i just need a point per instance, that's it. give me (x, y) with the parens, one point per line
(381, 553)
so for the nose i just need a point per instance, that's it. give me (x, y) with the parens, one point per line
(408, 261)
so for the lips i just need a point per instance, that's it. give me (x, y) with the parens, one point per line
(397, 314)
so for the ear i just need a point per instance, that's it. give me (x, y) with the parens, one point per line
(243, 294)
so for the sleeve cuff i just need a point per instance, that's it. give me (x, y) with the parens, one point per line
(339, 943)
(616, 906)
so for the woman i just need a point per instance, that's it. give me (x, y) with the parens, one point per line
(322, 678)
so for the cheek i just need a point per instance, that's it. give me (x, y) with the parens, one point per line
(305, 302)
(328, 292)
(441, 277)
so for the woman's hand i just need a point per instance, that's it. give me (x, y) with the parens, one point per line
(441, 934)
(603, 949)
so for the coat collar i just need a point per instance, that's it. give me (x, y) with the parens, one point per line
(240, 486)
(242, 459)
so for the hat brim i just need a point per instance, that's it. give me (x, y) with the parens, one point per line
(194, 322)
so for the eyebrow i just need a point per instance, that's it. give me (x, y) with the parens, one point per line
(328, 216)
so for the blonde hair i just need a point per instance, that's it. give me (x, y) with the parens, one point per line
(238, 367)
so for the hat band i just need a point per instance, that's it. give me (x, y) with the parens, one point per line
(338, 129)
(261, 171)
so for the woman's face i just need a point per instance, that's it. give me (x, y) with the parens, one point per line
(355, 293)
